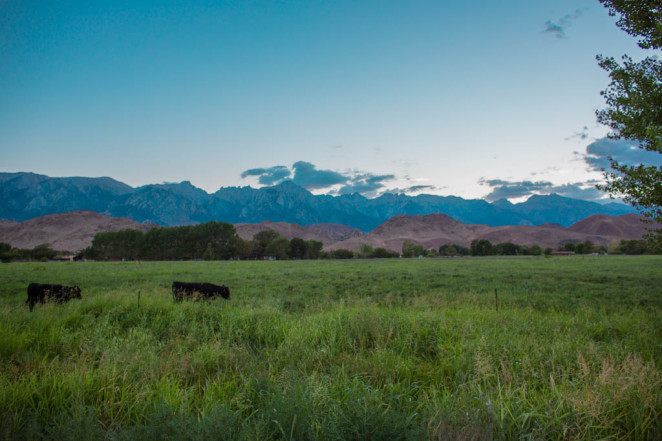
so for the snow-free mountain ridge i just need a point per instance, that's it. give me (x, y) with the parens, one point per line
(26, 196)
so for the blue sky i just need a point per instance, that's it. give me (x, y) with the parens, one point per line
(474, 99)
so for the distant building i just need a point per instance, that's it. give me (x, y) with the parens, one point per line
(65, 258)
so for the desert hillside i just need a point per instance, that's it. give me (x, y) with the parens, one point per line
(435, 230)
(75, 230)
(70, 231)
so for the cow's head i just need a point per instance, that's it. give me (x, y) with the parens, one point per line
(225, 292)
(75, 292)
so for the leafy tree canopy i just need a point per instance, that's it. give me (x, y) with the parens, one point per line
(410, 249)
(634, 100)
(640, 18)
(481, 247)
(266, 236)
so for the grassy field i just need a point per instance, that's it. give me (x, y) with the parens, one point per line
(337, 350)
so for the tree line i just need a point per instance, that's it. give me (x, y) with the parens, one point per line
(42, 252)
(210, 241)
(206, 241)
(219, 241)
(483, 247)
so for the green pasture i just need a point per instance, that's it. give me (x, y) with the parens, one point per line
(390, 349)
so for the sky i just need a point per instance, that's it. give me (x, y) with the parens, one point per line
(478, 99)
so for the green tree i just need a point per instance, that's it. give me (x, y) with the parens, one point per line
(278, 248)
(244, 248)
(341, 254)
(634, 106)
(481, 247)
(535, 250)
(383, 253)
(507, 249)
(222, 236)
(601, 249)
(453, 250)
(410, 249)
(42, 252)
(265, 236)
(209, 252)
(297, 248)
(211, 240)
(261, 240)
(587, 247)
(634, 246)
(364, 251)
(6, 252)
(639, 18)
(127, 244)
(447, 250)
(313, 249)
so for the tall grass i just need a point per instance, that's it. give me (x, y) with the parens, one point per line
(393, 349)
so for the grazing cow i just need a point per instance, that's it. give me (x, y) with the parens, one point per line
(198, 291)
(42, 293)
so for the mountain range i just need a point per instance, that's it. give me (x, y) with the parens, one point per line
(25, 196)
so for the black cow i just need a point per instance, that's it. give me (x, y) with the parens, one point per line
(46, 292)
(198, 291)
